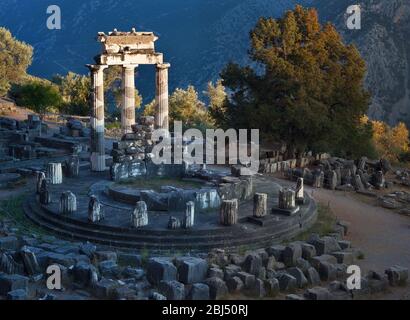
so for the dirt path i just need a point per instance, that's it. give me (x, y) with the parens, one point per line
(383, 235)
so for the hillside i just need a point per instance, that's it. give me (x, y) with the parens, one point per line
(199, 37)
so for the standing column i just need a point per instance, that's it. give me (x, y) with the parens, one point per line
(161, 97)
(128, 98)
(97, 118)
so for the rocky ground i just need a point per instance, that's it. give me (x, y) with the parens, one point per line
(311, 269)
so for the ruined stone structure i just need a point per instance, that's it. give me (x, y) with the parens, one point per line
(127, 49)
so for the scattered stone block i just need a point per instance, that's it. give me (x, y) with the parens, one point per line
(291, 253)
(157, 296)
(397, 275)
(308, 251)
(199, 291)
(231, 271)
(105, 289)
(327, 271)
(215, 272)
(287, 282)
(30, 262)
(191, 269)
(302, 264)
(258, 289)
(9, 243)
(317, 293)
(106, 255)
(272, 287)
(316, 261)
(129, 259)
(344, 257)
(312, 276)
(339, 291)
(124, 293)
(276, 251)
(109, 269)
(294, 297)
(85, 274)
(11, 282)
(19, 294)
(377, 282)
(217, 288)
(297, 273)
(326, 245)
(247, 279)
(235, 284)
(344, 244)
(161, 269)
(173, 290)
(252, 264)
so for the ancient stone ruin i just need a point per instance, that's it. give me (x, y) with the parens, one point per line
(129, 50)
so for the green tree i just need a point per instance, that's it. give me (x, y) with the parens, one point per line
(149, 109)
(15, 57)
(305, 87)
(39, 97)
(217, 101)
(185, 106)
(75, 90)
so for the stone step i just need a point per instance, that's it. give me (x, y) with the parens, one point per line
(161, 242)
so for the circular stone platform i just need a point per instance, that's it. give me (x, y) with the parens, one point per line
(115, 230)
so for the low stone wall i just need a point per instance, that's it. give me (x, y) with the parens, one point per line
(175, 199)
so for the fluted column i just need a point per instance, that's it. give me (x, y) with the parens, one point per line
(97, 118)
(128, 98)
(161, 97)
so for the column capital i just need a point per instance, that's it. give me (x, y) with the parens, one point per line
(163, 65)
(130, 66)
(96, 67)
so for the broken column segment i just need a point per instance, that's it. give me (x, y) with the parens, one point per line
(189, 215)
(40, 177)
(287, 199)
(55, 173)
(73, 166)
(44, 196)
(68, 203)
(139, 216)
(260, 205)
(299, 190)
(95, 210)
(228, 214)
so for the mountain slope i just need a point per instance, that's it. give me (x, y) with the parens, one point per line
(383, 42)
(198, 38)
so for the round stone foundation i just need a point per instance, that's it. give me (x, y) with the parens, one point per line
(118, 202)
